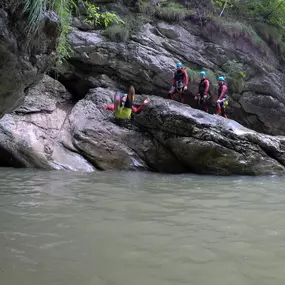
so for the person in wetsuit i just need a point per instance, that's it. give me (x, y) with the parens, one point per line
(222, 101)
(180, 83)
(203, 91)
(125, 107)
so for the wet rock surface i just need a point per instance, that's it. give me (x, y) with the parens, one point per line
(48, 131)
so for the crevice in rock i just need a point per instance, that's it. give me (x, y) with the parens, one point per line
(271, 153)
(75, 85)
(9, 160)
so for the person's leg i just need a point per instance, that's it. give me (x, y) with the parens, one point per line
(218, 109)
(171, 93)
(117, 101)
(205, 105)
(181, 97)
(223, 113)
(220, 105)
(198, 99)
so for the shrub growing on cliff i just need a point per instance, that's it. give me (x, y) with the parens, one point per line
(274, 36)
(267, 17)
(64, 8)
(169, 11)
(117, 33)
(122, 32)
(172, 12)
(240, 32)
(194, 75)
(271, 11)
(101, 19)
(236, 75)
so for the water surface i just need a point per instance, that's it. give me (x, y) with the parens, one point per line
(115, 228)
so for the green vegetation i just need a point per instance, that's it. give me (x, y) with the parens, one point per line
(193, 75)
(97, 18)
(171, 12)
(237, 30)
(274, 36)
(264, 18)
(118, 33)
(270, 11)
(122, 32)
(64, 9)
(258, 22)
(36, 8)
(235, 75)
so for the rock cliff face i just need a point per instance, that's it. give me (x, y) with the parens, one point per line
(59, 129)
(148, 60)
(47, 131)
(36, 134)
(24, 58)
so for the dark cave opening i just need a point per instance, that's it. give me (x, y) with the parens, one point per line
(9, 160)
(77, 86)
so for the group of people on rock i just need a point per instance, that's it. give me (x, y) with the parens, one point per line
(180, 84)
(123, 103)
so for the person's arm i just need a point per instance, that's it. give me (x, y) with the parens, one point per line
(186, 79)
(173, 80)
(224, 90)
(110, 107)
(207, 86)
(135, 110)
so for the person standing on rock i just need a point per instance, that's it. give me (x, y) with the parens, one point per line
(222, 101)
(203, 91)
(124, 109)
(180, 83)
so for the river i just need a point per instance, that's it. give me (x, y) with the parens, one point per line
(122, 228)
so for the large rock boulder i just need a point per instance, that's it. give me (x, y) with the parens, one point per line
(148, 60)
(37, 133)
(24, 57)
(49, 132)
(210, 144)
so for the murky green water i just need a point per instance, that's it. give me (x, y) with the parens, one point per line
(59, 228)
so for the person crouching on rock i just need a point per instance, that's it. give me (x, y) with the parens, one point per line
(124, 106)
(180, 83)
(203, 91)
(222, 101)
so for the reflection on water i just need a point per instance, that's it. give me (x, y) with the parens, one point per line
(116, 228)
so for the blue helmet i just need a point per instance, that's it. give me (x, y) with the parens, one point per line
(124, 94)
(179, 64)
(221, 78)
(202, 73)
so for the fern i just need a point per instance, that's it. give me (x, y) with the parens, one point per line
(63, 8)
(34, 9)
